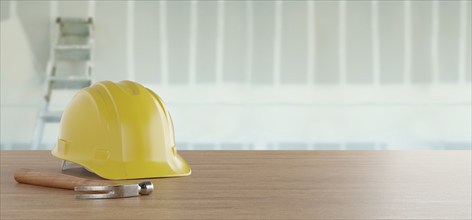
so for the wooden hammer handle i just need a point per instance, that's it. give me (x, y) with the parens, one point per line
(55, 180)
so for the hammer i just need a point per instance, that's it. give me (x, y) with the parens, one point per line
(90, 189)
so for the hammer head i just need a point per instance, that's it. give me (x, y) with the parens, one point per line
(115, 191)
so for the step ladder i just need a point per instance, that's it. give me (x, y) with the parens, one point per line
(69, 67)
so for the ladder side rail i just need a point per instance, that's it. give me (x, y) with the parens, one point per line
(44, 105)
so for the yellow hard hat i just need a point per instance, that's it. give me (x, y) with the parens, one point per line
(119, 131)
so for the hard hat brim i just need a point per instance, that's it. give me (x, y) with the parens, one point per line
(133, 169)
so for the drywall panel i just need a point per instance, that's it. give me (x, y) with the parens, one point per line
(178, 32)
(468, 42)
(147, 51)
(391, 41)
(293, 62)
(110, 40)
(448, 38)
(359, 42)
(327, 42)
(206, 42)
(235, 30)
(421, 36)
(263, 42)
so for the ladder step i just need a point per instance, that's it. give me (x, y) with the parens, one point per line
(73, 40)
(73, 47)
(74, 20)
(73, 53)
(71, 68)
(69, 82)
(75, 26)
(51, 116)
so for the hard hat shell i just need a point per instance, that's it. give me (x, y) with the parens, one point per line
(120, 131)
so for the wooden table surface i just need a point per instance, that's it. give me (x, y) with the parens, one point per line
(265, 185)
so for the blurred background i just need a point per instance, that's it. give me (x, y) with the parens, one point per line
(259, 75)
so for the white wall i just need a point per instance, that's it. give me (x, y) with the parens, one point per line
(265, 74)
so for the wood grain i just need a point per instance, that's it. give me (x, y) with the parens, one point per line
(264, 185)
